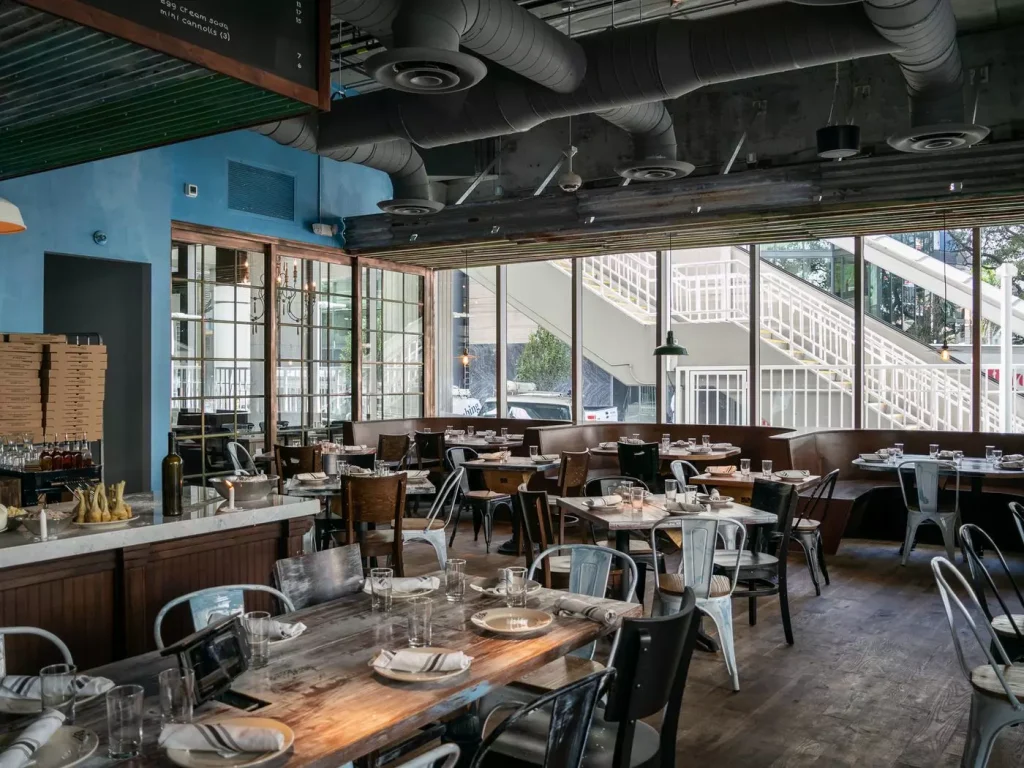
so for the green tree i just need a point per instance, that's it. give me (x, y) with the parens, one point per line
(545, 361)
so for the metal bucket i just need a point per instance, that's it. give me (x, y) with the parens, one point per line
(330, 464)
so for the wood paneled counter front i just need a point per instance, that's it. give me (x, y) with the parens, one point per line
(100, 591)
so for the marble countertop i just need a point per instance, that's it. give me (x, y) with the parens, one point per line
(204, 512)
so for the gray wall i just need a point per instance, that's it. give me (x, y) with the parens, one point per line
(111, 298)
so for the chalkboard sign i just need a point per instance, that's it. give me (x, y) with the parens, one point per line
(279, 38)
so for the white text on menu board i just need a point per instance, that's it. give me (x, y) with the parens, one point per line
(186, 16)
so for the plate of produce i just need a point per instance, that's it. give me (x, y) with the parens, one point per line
(102, 509)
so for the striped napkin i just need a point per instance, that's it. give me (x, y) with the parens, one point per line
(407, 584)
(612, 500)
(411, 661)
(28, 687)
(20, 751)
(225, 739)
(581, 609)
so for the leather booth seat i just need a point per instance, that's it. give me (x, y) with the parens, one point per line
(367, 432)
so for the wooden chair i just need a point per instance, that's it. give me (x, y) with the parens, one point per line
(204, 603)
(429, 449)
(375, 501)
(807, 529)
(1009, 626)
(430, 529)
(642, 462)
(393, 450)
(572, 479)
(926, 509)
(483, 502)
(320, 576)
(996, 687)
(295, 459)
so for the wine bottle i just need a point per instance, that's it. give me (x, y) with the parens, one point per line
(56, 456)
(172, 479)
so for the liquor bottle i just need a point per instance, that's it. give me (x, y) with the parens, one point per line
(76, 451)
(68, 454)
(45, 458)
(86, 452)
(172, 479)
(56, 456)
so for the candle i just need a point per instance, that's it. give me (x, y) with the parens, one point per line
(231, 496)
(42, 524)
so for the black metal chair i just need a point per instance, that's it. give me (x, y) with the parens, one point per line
(1017, 510)
(651, 662)
(393, 451)
(429, 449)
(482, 502)
(807, 528)
(641, 461)
(1009, 626)
(762, 571)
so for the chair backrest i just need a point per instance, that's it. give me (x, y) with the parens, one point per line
(698, 535)
(926, 481)
(205, 603)
(447, 495)
(781, 500)
(641, 461)
(949, 600)
(820, 497)
(682, 471)
(1017, 510)
(429, 448)
(376, 499)
(455, 458)
(571, 709)
(537, 528)
(295, 459)
(603, 486)
(971, 536)
(240, 458)
(572, 473)
(589, 568)
(320, 576)
(651, 663)
(64, 651)
(393, 448)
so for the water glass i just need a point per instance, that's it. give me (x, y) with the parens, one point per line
(504, 432)
(177, 694)
(57, 689)
(666, 443)
(636, 499)
(671, 489)
(690, 494)
(257, 633)
(124, 721)
(636, 437)
(448, 430)
(421, 610)
(691, 443)
(515, 587)
(997, 456)
(898, 450)
(705, 440)
(455, 580)
(470, 429)
(988, 452)
(766, 468)
(933, 450)
(744, 467)
(958, 457)
(533, 452)
(381, 580)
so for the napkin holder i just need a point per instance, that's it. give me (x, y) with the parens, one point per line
(217, 655)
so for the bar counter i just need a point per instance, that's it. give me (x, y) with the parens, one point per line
(100, 591)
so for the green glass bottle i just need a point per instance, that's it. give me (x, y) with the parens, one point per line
(172, 473)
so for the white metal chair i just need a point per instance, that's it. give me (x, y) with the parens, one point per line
(216, 600)
(996, 686)
(926, 481)
(699, 535)
(1017, 510)
(240, 459)
(682, 471)
(1009, 626)
(450, 753)
(428, 529)
(65, 652)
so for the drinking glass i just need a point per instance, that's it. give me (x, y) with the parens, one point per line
(988, 452)
(705, 440)
(691, 443)
(744, 467)
(124, 721)
(380, 589)
(622, 489)
(470, 429)
(636, 499)
(504, 432)
(533, 452)
(378, 468)
(515, 587)
(636, 437)
(177, 694)
(766, 468)
(899, 450)
(455, 580)
(997, 456)
(666, 443)
(958, 457)
(420, 629)
(257, 632)
(448, 430)
(671, 488)
(933, 450)
(342, 468)
(57, 687)
(690, 494)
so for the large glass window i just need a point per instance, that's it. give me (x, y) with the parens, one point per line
(392, 344)
(466, 341)
(1002, 253)
(217, 390)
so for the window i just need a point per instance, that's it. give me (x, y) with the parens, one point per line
(466, 341)
(217, 364)
(1002, 253)
(392, 344)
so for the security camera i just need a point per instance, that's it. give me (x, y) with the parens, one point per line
(570, 182)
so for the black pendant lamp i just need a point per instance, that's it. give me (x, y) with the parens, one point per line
(670, 349)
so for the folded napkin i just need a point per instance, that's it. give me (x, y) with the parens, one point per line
(608, 445)
(354, 448)
(728, 469)
(603, 501)
(28, 687)
(225, 739)
(407, 584)
(721, 446)
(282, 630)
(410, 661)
(546, 457)
(489, 456)
(581, 609)
(417, 474)
(20, 751)
(1013, 457)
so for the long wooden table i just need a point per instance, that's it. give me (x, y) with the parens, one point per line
(322, 687)
(744, 484)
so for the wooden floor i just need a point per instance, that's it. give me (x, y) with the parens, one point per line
(872, 680)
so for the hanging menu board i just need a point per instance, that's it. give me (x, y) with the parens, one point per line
(275, 44)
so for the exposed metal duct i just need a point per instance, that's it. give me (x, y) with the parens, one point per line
(629, 65)
(398, 159)
(928, 55)
(654, 142)
(423, 39)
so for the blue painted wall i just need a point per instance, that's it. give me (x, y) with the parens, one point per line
(134, 198)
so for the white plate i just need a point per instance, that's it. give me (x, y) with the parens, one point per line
(396, 595)
(34, 706)
(721, 501)
(496, 587)
(110, 525)
(189, 758)
(418, 677)
(512, 621)
(68, 746)
(793, 474)
(276, 643)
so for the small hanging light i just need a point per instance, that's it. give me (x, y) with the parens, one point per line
(11, 221)
(465, 357)
(670, 349)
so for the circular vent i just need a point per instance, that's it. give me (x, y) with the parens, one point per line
(655, 170)
(426, 70)
(410, 207)
(838, 141)
(939, 138)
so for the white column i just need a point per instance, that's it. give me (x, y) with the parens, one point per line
(1005, 273)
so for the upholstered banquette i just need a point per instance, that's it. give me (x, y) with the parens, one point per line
(367, 432)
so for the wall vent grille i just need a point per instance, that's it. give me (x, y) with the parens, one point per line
(257, 190)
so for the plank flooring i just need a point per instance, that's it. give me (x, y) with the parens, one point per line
(872, 681)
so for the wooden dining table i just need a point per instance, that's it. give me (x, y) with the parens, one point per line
(320, 684)
(743, 485)
(482, 444)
